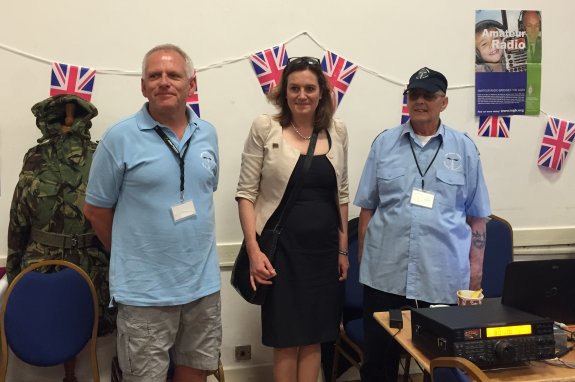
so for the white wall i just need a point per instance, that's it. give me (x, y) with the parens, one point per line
(393, 39)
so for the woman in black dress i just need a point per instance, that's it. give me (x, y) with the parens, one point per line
(302, 308)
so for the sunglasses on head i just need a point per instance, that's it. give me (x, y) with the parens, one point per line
(304, 59)
(414, 94)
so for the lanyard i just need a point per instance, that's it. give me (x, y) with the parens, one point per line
(430, 163)
(181, 157)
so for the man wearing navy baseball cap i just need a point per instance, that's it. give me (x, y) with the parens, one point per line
(427, 79)
(423, 205)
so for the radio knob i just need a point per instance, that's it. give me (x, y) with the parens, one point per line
(505, 351)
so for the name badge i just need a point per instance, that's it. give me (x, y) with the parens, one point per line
(422, 198)
(183, 211)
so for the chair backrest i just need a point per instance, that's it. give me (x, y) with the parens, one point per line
(455, 369)
(353, 296)
(48, 318)
(498, 253)
(542, 287)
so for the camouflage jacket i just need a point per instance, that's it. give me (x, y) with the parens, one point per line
(50, 194)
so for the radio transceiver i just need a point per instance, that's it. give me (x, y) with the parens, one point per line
(488, 335)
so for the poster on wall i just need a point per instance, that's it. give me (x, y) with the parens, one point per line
(508, 45)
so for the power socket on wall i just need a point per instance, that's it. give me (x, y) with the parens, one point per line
(243, 353)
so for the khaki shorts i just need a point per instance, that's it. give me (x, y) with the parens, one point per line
(147, 333)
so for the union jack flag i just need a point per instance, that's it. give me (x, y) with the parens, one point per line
(269, 65)
(70, 79)
(404, 111)
(494, 126)
(556, 143)
(194, 100)
(339, 72)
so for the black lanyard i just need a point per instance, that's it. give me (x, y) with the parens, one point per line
(181, 157)
(417, 163)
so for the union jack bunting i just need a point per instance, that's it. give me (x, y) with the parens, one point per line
(556, 143)
(494, 126)
(339, 72)
(404, 112)
(269, 65)
(194, 101)
(70, 79)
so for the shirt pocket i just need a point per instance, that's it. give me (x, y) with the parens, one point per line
(391, 183)
(450, 188)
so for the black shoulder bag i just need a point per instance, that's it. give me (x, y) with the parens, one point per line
(267, 242)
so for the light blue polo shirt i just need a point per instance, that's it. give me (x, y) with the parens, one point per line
(409, 250)
(154, 260)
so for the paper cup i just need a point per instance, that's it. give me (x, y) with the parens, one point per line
(464, 298)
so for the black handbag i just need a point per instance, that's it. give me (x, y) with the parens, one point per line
(241, 271)
(267, 242)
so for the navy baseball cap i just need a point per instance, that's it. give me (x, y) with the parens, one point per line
(427, 79)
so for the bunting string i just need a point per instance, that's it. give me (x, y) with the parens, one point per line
(137, 73)
(552, 154)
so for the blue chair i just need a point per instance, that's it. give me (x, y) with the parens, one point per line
(350, 341)
(48, 318)
(455, 369)
(498, 253)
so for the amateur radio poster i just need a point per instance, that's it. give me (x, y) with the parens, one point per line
(507, 62)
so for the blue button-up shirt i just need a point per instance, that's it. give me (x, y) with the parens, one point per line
(409, 250)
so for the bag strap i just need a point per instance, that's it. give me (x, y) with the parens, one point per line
(299, 183)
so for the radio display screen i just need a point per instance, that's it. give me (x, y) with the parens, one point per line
(505, 331)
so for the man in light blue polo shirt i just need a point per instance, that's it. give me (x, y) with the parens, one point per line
(423, 206)
(150, 201)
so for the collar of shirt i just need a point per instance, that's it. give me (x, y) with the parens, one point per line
(146, 122)
(408, 129)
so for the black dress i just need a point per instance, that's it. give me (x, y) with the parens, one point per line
(303, 306)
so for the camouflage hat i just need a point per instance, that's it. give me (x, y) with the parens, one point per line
(51, 112)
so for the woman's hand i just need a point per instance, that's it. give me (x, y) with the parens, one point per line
(261, 270)
(343, 264)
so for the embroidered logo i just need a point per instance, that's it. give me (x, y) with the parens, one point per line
(208, 161)
(452, 161)
(423, 73)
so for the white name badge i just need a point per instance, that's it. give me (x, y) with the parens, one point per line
(183, 211)
(422, 198)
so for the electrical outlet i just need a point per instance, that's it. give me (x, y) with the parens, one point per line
(243, 353)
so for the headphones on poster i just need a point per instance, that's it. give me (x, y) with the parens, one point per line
(479, 28)
(520, 24)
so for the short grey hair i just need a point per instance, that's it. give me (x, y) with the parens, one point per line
(173, 48)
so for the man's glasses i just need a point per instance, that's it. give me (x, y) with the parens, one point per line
(304, 59)
(414, 95)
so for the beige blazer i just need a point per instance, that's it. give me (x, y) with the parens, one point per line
(268, 162)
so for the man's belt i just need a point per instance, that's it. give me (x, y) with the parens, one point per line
(63, 241)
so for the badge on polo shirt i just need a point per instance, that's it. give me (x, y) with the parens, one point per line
(422, 198)
(183, 211)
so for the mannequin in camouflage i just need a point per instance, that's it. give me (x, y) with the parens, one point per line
(46, 219)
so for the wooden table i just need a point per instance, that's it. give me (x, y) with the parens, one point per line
(534, 371)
